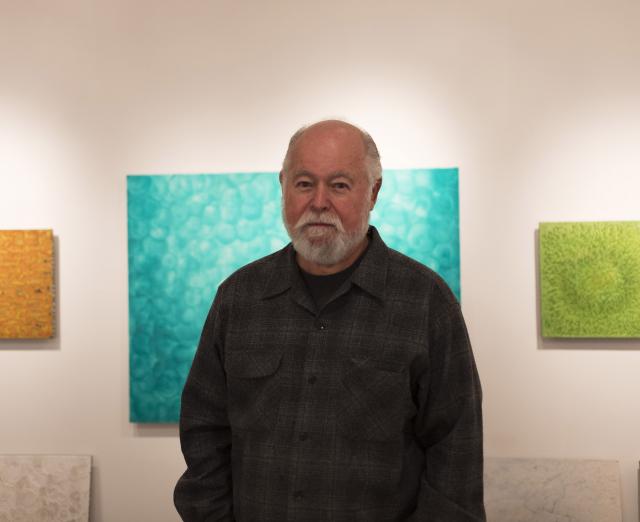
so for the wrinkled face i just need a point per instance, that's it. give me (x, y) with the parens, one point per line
(326, 193)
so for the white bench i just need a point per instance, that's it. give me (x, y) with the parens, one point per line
(552, 490)
(51, 488)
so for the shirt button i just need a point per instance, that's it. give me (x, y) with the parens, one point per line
(321, 326)
(298, 495)
(312, 379)
(303, 436)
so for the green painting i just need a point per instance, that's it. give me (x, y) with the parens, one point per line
(590, 279)
(187, 233)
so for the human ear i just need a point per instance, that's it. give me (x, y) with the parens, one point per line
(374, 192)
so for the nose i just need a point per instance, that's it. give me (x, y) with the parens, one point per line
(320, 198)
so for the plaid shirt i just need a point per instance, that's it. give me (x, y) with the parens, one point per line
(367, 410)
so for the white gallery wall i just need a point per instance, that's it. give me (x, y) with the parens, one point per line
(536, 101)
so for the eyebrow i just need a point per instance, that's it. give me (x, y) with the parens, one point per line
(302, 173)
(332, 177)
(341, 175)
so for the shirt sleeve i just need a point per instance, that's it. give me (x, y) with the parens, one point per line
(449, 425)
(204, 491)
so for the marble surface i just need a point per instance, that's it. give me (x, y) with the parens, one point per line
(548, 490)
(37, 488)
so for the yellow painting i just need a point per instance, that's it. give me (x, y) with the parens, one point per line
(26, 284)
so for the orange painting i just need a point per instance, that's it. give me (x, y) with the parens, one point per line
(26, 284)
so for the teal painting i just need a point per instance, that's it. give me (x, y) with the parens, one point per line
(590, 279)
(187, 233)
(417, 213)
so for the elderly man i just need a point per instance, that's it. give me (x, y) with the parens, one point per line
(334, 380)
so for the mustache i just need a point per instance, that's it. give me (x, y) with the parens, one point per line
(324, 218)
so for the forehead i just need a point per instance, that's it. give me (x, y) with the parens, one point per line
(329, 149)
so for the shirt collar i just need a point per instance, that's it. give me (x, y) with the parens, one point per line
(371, 274)
(282, 273)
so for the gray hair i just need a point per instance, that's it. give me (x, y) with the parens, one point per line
(372, 156)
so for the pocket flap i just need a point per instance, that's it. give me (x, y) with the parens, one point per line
(378, 364)
(252, 364)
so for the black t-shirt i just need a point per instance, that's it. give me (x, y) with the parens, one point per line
(323, 287)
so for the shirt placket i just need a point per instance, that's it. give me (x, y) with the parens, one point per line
(307, 481)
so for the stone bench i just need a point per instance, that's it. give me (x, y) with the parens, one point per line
(52, 488)
(552, 490)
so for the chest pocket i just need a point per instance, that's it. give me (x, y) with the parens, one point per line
(375, 402)
(254, 388)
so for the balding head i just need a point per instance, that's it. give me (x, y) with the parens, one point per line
(341, 130)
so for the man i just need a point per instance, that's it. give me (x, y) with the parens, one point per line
(334, 380)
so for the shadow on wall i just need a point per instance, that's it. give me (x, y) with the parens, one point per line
(155, 430)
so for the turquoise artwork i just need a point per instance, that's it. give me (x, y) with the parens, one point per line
(417, 213)
(187, 233)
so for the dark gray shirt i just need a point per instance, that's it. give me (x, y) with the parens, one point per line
(369, 410)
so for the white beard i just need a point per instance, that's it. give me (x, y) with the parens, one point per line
(325, 245)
